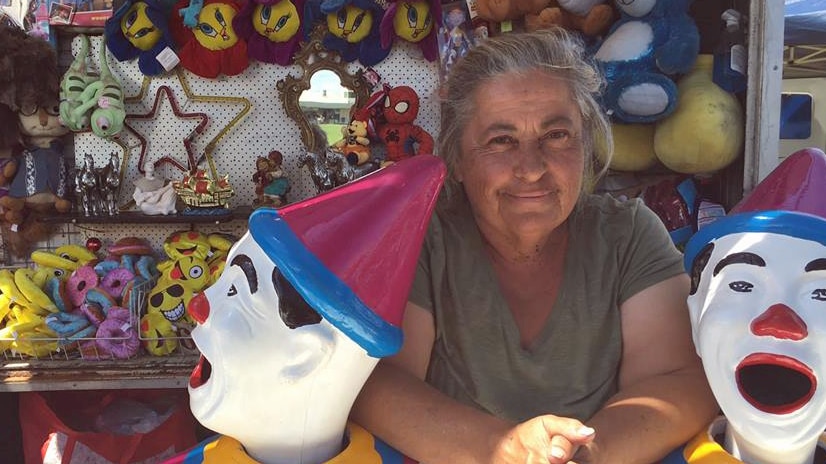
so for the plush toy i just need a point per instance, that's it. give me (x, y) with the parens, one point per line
(352, 28)
(33, 165)
(72, 85)
(138, 29)
(414, 21)
(271, 29)
(591, 17)
(355, 146)
(651, 42)
(401, 137)
(503, 10)
(212, 47)
(104, 101)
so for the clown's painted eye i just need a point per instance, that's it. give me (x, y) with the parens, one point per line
(741, 286)
(819, 294)
(232, 291)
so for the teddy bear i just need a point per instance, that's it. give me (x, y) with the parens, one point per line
(355, 146)
(650, 43)
(591, 17)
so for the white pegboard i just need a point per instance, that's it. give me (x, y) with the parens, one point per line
(264, 128)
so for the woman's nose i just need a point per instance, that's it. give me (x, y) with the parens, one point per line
(530, 162)
(198, 308)
(780, 321)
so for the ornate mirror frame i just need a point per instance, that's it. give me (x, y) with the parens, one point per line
(311, 57)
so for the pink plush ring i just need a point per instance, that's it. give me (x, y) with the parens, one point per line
(119, 338)
(81, 280)
(115, 281)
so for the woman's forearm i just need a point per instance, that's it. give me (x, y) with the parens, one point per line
(645, 421)
(422, 422)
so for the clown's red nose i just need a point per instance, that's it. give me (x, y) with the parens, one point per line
(780, 321)
(198, 308)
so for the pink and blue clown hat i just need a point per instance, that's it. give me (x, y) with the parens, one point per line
(790, 201)
(351, 252)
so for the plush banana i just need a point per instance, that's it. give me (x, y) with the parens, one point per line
(9, 288)
(79, 254)
(12, 331)
(23, 278)
(49, 259)
(34, 344)
(5, 306)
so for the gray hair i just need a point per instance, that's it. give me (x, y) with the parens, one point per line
(554, 51)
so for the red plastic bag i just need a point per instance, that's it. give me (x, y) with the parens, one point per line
(56, 428)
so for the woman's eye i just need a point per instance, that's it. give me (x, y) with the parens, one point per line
(740, 286)
(556, 139)
(503, 140)
(232, 291)
(819, 294)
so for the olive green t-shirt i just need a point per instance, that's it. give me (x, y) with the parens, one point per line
(615, 250)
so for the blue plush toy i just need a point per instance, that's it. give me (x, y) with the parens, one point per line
(653, 40)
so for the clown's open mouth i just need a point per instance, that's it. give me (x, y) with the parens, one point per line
(201, 373)
(774, 383)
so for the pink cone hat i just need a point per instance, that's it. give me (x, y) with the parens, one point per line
(352, 252)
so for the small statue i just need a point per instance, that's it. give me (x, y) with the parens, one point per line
(154, 196)
(271, 184)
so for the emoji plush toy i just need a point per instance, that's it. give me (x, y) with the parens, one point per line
(352, 28)
(401, 137)
(651, 42)
(270, 28)
(212, 47)
(138, 29)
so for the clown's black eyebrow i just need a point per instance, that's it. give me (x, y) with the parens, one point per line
(818, 264)
(245, 263)
(739, 258)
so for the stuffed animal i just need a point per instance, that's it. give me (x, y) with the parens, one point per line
(138, 29)
(401, 137)
(271, 29)
(591, 17)
(415, 22)
(651, 42)
(355, 146)
(503, 10)
(352, 28)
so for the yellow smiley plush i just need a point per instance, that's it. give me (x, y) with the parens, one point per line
(278, 23)
(138, 29)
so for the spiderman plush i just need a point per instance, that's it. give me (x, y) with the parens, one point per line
(401, 137)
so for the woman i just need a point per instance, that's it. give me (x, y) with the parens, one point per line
(545, 324)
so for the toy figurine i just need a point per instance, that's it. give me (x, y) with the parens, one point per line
(355, 146)
(271, 184)
(758, 312)
(295, 324)
(154, 195)
(397, 130)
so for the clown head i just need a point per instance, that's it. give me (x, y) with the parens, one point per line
(296, 322)
(758, 312)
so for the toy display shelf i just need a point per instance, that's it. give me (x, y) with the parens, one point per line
(136, 217)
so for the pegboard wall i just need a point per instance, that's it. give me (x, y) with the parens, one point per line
(265, 127)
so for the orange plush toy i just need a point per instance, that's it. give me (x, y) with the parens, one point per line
(591, 17)
(401, 137)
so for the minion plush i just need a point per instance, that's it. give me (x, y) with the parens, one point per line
(138, 29)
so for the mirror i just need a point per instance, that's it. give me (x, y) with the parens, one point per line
(316, 100)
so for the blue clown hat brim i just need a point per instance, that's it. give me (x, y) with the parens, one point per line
(322, 289)
(791, 223)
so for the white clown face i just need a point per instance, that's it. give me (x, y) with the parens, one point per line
(759, 322)
(264, 350)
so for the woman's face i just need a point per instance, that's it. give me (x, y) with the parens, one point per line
(522, 155)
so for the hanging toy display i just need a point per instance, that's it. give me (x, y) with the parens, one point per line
(212, 47)
(352, 28)
(413, 22)
(138, 29)
(271, 29)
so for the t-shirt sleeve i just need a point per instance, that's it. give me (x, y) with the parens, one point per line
(650, 256)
